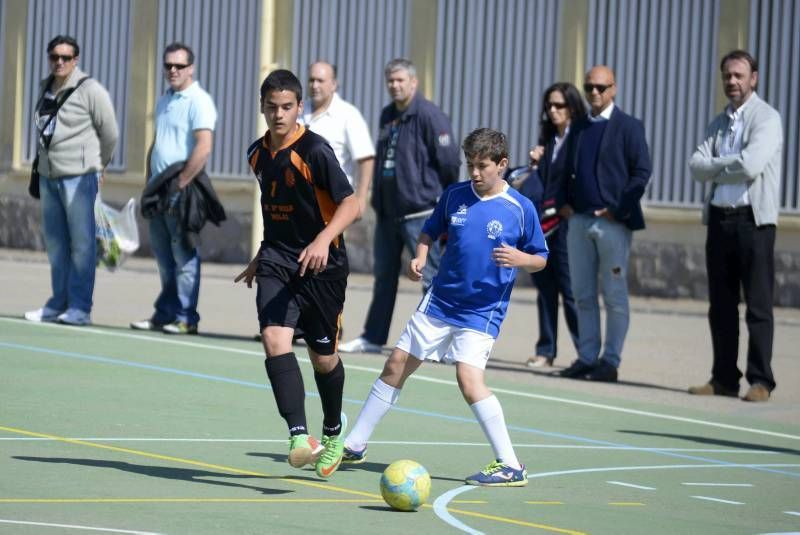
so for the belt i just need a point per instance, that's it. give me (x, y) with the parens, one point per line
(733, 211)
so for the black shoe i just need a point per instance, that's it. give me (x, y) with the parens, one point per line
(577, 370)
(603, 372)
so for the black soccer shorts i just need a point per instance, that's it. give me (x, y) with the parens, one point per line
(308, 304)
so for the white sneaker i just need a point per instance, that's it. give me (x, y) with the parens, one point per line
(42, 314)
(360, 345)
(73, 316)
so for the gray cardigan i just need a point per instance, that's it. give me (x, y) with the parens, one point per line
(758, 165)
(85, 132)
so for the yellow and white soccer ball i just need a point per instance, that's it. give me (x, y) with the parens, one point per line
(405, 485)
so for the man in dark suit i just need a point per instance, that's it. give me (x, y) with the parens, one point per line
(608, 166)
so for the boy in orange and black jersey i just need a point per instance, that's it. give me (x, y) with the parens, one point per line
(301, 267)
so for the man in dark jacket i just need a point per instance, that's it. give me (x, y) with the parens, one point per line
(607, 169)
(185, 118)
(416, 158)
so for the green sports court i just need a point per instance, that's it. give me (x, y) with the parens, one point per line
(103, 429)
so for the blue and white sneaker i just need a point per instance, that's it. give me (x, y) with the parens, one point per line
(498, 474)
(354, 457)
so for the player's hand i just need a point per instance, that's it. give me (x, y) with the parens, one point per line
(415, 268)
(183, 181)
(362, 207)
(536, 154)
(248, 274)
(507, 256)
(566, 211)
(604, 213)
(314, 258)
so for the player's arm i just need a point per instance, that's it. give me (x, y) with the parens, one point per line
(366, 167)
(315, 256)
(249, 273)
(417, 263)
(203, 141)
(511, 257)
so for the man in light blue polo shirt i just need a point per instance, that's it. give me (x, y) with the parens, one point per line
(184, 125)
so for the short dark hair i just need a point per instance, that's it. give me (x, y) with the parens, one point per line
(64, 40)
(485, 143)
(399, 64)
(575, 105)
(741, 55)
(282, 80)
(177, 46)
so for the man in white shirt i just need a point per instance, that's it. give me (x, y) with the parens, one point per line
(343, 127)
(740, 158)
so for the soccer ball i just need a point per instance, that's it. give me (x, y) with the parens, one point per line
(405, 485)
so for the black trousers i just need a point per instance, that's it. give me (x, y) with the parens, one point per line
(740, 256)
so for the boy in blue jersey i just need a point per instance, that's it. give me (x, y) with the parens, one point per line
(491, 231)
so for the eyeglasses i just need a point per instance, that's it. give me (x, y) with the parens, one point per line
(556, 105)
(177, 66)
(601, 88)
(55, 57)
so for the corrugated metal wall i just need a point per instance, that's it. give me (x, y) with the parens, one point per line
(226, 40)
(102, 30)
(664, 53)
(775, 43)
(359, 37)
(494, 59)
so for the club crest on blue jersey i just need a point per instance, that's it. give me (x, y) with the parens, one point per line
(494, 229)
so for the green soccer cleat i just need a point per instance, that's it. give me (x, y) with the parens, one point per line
(303, 450)
(331, 458)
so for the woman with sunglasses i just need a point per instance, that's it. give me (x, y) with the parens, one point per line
(562, 104)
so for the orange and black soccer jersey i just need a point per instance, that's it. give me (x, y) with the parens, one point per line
(301, 186)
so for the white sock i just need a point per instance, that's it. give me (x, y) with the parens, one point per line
(380, 400)
(490, 415)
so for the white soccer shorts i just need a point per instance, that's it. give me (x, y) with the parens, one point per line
(429, 338)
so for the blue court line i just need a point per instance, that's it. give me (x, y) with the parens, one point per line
(441, 416)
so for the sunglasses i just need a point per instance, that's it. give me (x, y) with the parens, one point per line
(176, 66)
(55, 57)
(601, 88)
(556, 105)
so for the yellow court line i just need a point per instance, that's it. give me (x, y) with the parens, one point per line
(546, 503)
(469, 501)
(259, 474)
(626, 504)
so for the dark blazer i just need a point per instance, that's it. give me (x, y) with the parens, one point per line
(547, 180)
(198, 202)
(623, 166)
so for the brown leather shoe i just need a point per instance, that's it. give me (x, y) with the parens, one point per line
(712, 388)
(757, 392)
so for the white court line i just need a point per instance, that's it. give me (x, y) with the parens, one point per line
(417, 377)
(390, 443)
(719, 500)
(718, 484)
(621, 484)
(440, 508)
(70, 526)
(794, 513)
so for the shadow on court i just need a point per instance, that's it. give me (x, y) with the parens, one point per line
(715, 442)
(164, 472)
(366, 466)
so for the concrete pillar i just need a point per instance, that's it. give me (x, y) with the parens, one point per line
(572, 36)
(145, 67)
(15, 18)
(422, 52)
(734, 19)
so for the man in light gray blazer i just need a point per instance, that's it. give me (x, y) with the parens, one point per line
(741, 157)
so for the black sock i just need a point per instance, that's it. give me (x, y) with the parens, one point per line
(331, 387)
(290, 395)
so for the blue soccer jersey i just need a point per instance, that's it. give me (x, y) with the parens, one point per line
(470, 290)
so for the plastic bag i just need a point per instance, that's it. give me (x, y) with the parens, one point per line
(116, 233)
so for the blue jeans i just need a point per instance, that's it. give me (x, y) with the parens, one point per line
(69, 236)
(390, 238)
(550, 282)
(179, 268)
(599, 249)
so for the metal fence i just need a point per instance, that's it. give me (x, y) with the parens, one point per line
(775, 43)
(102, 30)
(664, 54)
(359, 37)
(225, 37)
